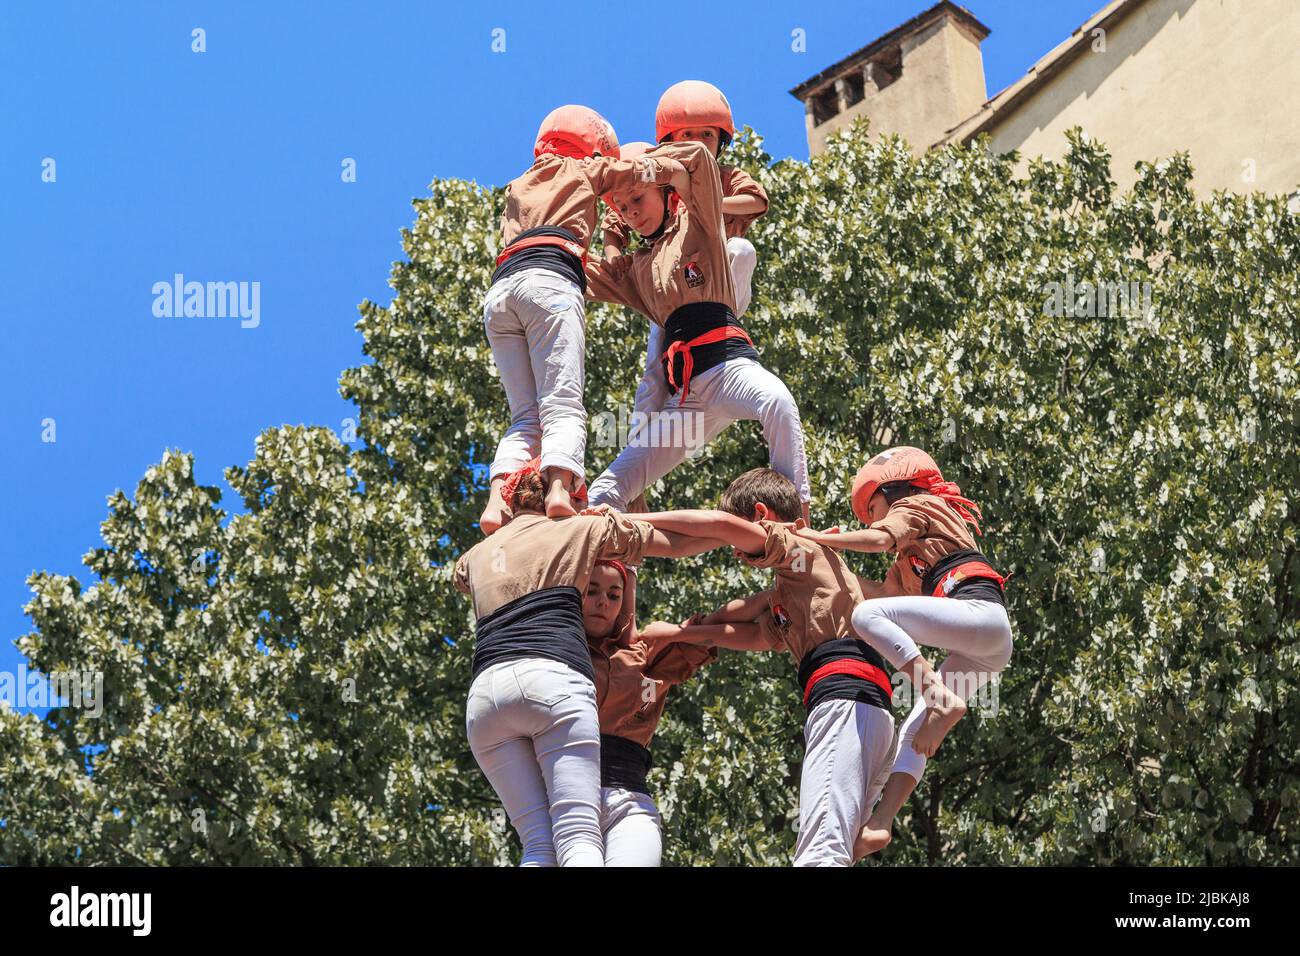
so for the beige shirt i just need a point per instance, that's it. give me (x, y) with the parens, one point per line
(688, 262)
(559, 191)
(735, 182)
(814, 594)
(925, 528)
(632, 681)
(532, 552)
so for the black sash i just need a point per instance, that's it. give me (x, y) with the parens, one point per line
(551, 258)
(623, 764)
(546, 623)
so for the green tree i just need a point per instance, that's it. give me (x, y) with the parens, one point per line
(287, 685)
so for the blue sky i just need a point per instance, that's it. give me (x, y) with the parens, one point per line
(225, 166)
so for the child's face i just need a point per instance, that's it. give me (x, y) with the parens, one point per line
(602, 602)
(642, 207)
(708, 135)
(877, 507)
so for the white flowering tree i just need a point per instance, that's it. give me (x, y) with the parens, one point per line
(288, 685)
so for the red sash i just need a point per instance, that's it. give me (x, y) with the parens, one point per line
(848, 665)
(684, 350)
(964, 572)
(533, 241)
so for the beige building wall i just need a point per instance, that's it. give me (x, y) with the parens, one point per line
(942, 83)
(1218, 78)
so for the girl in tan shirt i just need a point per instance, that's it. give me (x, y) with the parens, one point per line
(940, 591)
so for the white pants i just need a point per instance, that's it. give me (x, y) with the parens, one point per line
(976, 634)
(536, 325)
(849, 748)
(652, 393)
(631, 827)
(737, 390)
(742, 258)
(533, 728)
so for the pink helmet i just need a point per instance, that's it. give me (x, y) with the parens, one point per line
(693, 103)
(575, 131)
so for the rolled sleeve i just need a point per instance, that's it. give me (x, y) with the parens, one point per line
(783, 551)
(620, 538)
(903, 523)
(677, 663)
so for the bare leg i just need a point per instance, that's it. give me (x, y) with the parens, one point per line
(943, 708)
(496, 513)
(559, 501)
(877, 832)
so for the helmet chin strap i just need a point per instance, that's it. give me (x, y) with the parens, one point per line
(663, 223)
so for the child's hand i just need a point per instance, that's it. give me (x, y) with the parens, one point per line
(619, 265)
(696, 618)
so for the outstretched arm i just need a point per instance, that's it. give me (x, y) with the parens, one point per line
(739, 610)
(670, 544)
(741, 636)
(745, 536)
(871, 540)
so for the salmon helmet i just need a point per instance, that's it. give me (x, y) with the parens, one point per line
(902, 468)
(692, 103)
(576, 132)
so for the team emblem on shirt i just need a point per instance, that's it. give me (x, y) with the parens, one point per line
(919, 567)
(780, 617)
(694, 277)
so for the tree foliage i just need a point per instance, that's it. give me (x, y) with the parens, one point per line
(287, 685)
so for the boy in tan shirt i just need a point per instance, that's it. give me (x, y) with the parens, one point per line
(849, 731)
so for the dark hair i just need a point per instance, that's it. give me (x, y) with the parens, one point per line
(895, 490)
(530, 493)
(762, 485)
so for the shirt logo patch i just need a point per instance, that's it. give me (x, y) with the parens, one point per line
(919, 567)
(694, 277)
(781, 618)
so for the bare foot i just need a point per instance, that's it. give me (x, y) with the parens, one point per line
(493, 517)
(940, 717)
(559, 504)
(870, 841)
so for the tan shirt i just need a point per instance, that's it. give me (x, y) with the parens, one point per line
(532, 552)
(814, 595)
(688, 262)
(632, 681)
(735, 182)
(925, 528)
(559, 191)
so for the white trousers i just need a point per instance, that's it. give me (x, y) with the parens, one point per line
(534, 730)
(630, 824)
(652, 393)
(849, 748)
(536, 325)
(976, 634)
(737, 390)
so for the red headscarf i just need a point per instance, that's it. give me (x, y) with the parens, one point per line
(534, 467)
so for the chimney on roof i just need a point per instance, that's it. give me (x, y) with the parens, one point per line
(918, 80)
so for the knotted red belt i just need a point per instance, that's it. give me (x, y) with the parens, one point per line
(531, 242)
(684, 350)
(848, 665)
(964, 572)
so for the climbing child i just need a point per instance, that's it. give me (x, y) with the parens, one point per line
(682, 282)
(941, 592)
(531, 717)
(849, 732)
(696, 111)
(534, 311)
